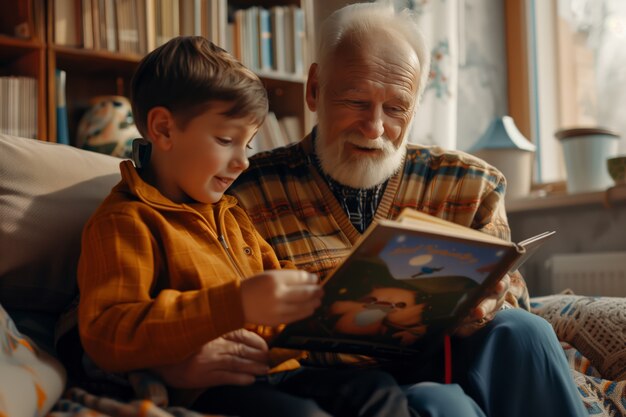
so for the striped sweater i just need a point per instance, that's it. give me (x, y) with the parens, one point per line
(295, 211)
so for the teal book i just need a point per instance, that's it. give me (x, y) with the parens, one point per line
(63, 135)
(265, 40)
(407, 283)
(299, 40)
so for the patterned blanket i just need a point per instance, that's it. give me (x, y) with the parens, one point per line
(592, 331)
(603, 398)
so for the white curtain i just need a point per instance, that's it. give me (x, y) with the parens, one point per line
(435, 121)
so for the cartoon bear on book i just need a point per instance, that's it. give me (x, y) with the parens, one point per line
(384, 311)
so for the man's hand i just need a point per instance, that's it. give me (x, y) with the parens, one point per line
(280, 296)
(233, 359)
(486, 310)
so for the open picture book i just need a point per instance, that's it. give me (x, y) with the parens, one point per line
(405, 284)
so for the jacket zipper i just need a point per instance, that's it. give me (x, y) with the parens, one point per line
(222, 241)
(220, 236)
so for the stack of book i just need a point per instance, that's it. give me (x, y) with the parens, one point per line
(266, 40)
(18, 106)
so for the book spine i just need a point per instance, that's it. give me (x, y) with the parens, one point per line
(265, 39)
(278, 38)
(299, 40)
(197, 17)
(87, 17)
(253, 37)
(63, 135)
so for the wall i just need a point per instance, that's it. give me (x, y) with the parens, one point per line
(583, 228)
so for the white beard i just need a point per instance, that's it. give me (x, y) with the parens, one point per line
(360, 171)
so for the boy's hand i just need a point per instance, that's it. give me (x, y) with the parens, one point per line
(233, 359)
(486, 310)
(280, 296)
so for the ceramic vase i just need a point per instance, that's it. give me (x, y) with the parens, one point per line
(108, 127)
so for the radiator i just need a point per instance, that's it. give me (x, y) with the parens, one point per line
(595, 274)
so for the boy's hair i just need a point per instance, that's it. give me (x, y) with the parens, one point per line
(187, 74)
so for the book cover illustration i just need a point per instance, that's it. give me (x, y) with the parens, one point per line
(397, 289)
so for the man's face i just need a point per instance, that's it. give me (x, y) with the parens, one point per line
(364, 101)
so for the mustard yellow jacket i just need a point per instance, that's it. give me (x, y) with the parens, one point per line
(157, 279)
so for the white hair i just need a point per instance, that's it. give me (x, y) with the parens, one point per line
(360, 19)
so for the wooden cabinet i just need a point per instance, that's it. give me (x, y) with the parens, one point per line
(59, 38)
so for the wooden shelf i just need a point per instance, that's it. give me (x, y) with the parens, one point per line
(97, 72)
(11, 46)
(613, 196)
(94, 61)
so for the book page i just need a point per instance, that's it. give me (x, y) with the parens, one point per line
(422, 220)
(530, 246)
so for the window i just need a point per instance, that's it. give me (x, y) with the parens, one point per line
(566, 68)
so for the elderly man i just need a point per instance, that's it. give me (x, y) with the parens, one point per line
(312, 201)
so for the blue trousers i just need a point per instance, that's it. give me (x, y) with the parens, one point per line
(311, 392)
(513, 367)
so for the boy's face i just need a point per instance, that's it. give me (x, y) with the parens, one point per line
(206, 156)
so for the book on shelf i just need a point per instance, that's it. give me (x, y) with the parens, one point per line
(298, 35)
(68, 23)
(406, 284)
(252, 38)
(266, 50)
(188, 15)
(279, 47)
(237, 29)
(197, 18)
(110, 22)
(87, 24)
(63, 134)
(18, 106)
(127, 26)
(222, 22)
(95, 24)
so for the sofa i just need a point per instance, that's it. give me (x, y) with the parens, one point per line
(47, 192)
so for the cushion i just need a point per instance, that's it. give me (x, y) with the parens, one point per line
(595, 326)
(47, 192)
(32, 381)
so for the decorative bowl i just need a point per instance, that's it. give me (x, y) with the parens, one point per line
(617, 169)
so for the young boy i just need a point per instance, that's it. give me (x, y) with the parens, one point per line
(169, 264)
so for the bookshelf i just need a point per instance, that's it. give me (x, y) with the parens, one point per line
(23, 54)
(99, 57)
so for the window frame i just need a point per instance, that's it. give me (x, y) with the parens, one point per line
(519, 79)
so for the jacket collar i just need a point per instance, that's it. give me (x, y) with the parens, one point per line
(136, 186)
